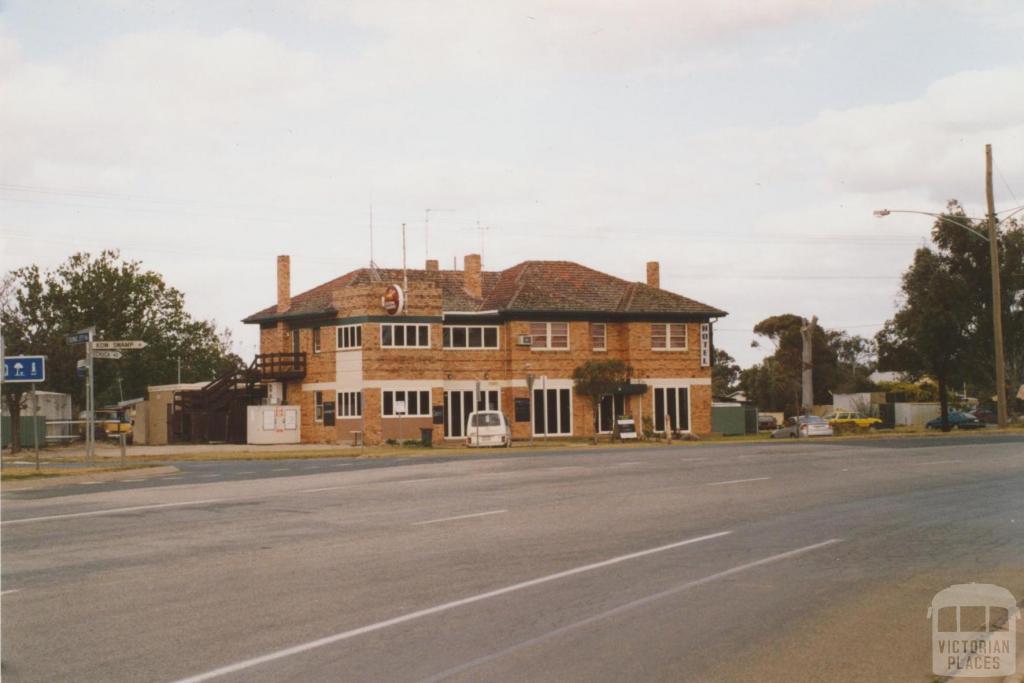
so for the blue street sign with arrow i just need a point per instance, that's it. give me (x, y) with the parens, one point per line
(26, 369)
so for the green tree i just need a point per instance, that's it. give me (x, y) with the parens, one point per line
(725, 374)
(960, 243)
(842, 363)
(932, 328)
(599, 378)
(123, 301)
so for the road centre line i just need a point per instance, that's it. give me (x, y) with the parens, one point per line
(8, 592)
(452, 519)
(737, 481)
(444, 607)
(935, 462)
(110, 511)
(624, 608)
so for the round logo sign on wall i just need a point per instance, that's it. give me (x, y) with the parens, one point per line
(393, 300)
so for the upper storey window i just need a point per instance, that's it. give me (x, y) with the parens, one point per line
(470, 337)
(599, 336)
(549, 336)
(668, 336)
(394, 335)
(350, 337)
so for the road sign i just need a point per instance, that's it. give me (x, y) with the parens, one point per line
(115, 345)
(78, 338)
(25, 369)
(109, 355)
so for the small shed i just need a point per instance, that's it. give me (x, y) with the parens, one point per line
(730, 419)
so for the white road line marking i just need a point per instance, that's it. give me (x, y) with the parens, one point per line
(624, 608)
(13, 590)
(110, 511)
(410, 616)
(632, 462)
(327, 488)
(409, 481)
(737, 481)
(451, 519)
(167, 478)
(281, 469)
(89, 483)
(935, 462)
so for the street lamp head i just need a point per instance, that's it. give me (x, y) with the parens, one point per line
(880, 213)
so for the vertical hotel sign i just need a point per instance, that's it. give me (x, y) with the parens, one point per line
(705, 345)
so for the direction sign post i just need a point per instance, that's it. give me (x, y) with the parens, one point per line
(124, 345)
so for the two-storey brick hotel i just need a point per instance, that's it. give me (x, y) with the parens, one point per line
(388, 352)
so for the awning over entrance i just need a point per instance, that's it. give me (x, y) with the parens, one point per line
(631, 389)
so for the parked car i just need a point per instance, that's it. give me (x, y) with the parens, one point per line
(986, 415)
(957, 420)
(488, 428)
(767, 422)
(802, 427)
(859, 419)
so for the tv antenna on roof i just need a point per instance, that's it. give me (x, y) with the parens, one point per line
(374, 273)
(426, 229)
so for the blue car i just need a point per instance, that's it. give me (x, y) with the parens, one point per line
(957, 420)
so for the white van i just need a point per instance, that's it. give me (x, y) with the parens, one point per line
(488, 428)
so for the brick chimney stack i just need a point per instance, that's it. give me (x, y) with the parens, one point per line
(653, 274)
(472, 276)
(432, 264)
(284, 284)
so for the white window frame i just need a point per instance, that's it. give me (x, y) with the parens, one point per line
(604, 337)
(558, 394)
(392, 345)
(349, 337)
(449, 332)
(317, 336)
(419, 403)
(547, 337)
(318, 407)
(689, 411)
(350, 406)
(668, 337)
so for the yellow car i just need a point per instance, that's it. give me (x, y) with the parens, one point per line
(859, 419)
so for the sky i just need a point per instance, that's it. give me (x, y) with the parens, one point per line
(743, 144)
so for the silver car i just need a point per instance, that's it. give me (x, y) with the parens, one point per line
(803, 426)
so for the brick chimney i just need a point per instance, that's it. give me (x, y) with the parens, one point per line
(471, 265)
(284, 284)
(653, 274)
(432, 264)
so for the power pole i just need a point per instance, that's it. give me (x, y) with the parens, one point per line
(997, 294)
(807, 336)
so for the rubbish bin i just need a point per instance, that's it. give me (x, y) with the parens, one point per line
(427, 436)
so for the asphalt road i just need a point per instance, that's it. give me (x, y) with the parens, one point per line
(790, 561)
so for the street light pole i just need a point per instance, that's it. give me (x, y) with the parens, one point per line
(997, 294)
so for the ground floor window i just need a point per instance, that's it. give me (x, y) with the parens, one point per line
(673, 402)
(552, 412)
(318, 402)
(405, 403)
(459, 404)
(350, 404)
(608, 410)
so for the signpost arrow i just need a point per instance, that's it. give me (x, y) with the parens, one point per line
(122, 345)
(109, 355)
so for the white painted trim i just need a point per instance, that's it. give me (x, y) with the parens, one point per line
(491, 312)
(430, 336)
(551, 385)
(653, 382)
(689, 408)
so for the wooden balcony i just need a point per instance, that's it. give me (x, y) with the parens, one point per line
(275, 367)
